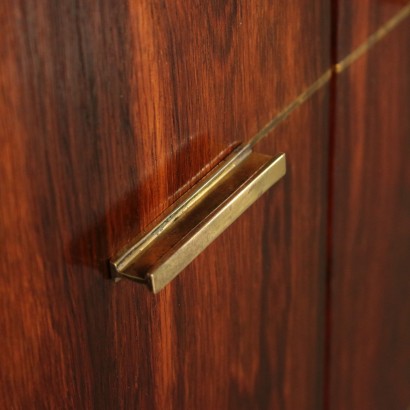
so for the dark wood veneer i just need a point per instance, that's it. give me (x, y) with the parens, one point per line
(370, 248)
(108, 112)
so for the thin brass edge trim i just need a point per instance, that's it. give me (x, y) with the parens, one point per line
(318, 84)
(326, 76)
(372, 40)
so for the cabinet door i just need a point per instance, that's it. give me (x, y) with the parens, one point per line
(109, 112)
(370, 260)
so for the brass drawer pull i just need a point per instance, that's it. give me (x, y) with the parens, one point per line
(184, 230)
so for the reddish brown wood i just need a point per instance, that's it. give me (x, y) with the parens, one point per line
(216, 73)
(355, 21)
(109, 111)
(370, 260)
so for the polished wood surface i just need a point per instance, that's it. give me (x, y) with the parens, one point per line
(217, 72)
(370, 232)
(355, 21)
(108, 112)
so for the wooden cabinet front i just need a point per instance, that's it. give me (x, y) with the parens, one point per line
(111, 111)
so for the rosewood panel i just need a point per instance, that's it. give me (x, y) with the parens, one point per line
(370, 236)
(108, 112)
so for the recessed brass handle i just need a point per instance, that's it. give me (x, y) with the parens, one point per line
(171, 242)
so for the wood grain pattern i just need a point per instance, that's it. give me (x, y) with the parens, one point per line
(355, 21)
(108, 112)
(218, 72)
(370, 264)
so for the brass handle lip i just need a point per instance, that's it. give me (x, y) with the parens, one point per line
(184, 230)
(179, 208)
